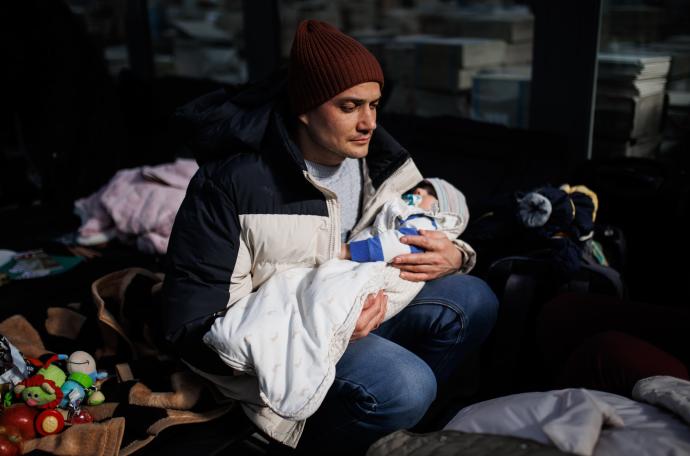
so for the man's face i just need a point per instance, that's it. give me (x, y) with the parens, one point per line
(342, 126)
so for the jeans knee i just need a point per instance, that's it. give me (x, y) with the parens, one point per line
(412, 390)
(474, 300)
(409, 391)
(482, 302)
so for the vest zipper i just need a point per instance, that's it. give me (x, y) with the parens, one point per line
(333, 218)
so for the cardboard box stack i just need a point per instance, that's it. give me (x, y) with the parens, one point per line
(430, 73)
(678, 47)
(444, 63)
(629, 104)
(203, 50)
(438, 66)
(430, 70)
(513, 26)
(502, 96)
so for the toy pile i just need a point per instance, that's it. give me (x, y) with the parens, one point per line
(146, 390)
(42, 396)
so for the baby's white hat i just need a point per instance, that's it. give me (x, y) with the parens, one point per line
(450, 199)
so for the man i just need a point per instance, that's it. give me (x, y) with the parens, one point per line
(300, 174)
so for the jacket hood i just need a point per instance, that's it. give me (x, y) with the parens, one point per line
(219, 122)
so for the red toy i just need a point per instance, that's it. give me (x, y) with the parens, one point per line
(29, 420)
(22, 417)
(50, 422)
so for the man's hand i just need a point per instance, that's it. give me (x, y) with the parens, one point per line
(441, 257)
(373, 313)
(345, 252)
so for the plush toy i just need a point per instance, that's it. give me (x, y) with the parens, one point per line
(42, 390)
(74, 390)
(53, 373)
(38, 391)
(567, 211)
(45, 367)
(560, 220)
(81, 381)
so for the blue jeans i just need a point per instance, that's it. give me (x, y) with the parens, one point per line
(387, 380)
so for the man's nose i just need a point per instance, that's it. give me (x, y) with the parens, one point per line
(367, 119)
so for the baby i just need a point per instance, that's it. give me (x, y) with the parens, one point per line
(433, 204)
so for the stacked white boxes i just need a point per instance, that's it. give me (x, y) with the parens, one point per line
(629, 104)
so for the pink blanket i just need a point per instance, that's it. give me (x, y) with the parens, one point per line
(139, 203)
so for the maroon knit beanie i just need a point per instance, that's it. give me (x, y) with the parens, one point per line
(324, 62)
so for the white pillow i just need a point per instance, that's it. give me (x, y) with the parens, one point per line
(579, 421)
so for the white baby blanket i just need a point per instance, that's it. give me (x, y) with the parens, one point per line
(291, 332)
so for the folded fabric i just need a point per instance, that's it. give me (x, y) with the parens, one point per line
(581, 417)
(138, 202)
(671, 393)
(578, 421)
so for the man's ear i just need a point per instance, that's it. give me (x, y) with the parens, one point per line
(304, 118)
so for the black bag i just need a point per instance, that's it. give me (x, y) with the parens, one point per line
(523, 284)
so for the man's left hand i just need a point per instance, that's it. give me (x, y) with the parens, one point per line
(441, 257)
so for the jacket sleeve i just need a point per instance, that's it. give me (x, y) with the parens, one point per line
(201, 257)
(469, 256)
(383, 247)
(386, 246)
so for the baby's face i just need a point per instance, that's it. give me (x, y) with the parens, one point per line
(428, 200)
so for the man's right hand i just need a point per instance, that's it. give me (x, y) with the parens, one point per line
(373, 313)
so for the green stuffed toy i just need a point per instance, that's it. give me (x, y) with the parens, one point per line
(43, 389)
(38, 391)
